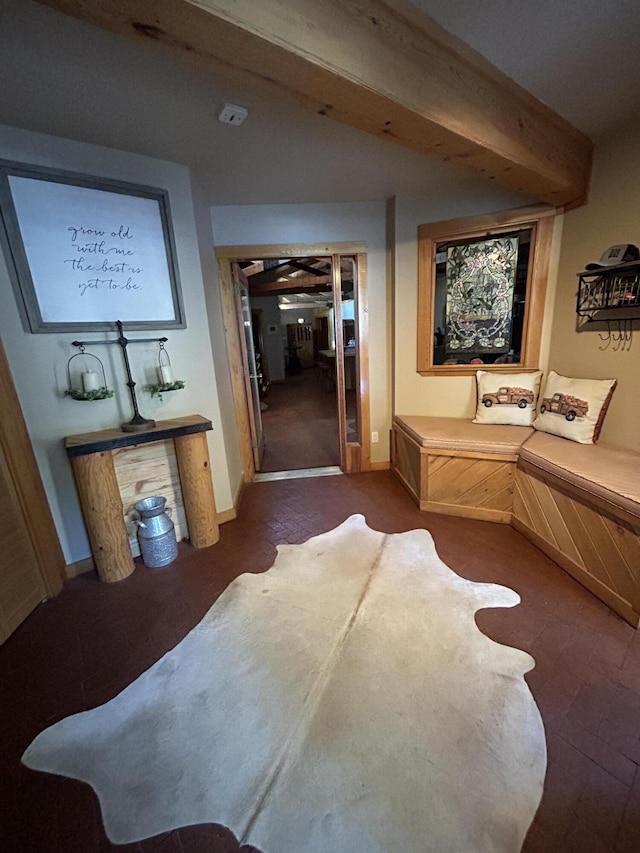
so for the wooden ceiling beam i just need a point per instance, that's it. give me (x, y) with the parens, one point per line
(290, 271)
(283, 270)
(299, 265)
(378, 65)
(308, 284)
(253, 269)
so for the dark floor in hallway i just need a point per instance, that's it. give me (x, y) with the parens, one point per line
(300, 424)
(86, 645)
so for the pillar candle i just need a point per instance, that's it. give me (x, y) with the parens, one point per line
(166, 374)
(90, 381)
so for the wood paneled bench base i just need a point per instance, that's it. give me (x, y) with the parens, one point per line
(455, 467)
(581, 506)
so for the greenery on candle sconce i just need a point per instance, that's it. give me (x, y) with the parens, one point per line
(163, 387)
(89, 396)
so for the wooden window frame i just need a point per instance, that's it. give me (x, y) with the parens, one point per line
(541, 221)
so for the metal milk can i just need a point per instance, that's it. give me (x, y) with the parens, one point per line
(156, 532)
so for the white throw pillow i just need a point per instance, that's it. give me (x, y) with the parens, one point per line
(507, 398)
(574, 408)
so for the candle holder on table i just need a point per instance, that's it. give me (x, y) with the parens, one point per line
(87, 384)
(166, 382)
(137, 422)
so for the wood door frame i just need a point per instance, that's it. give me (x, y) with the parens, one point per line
(25, 474)
(355, 456)
(257, 444)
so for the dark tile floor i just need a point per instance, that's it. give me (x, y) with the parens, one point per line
(83, 647)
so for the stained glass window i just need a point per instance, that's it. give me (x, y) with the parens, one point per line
(480, 282)
(481, 291)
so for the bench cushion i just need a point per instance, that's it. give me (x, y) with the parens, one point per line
(461, 434)
(609, 473)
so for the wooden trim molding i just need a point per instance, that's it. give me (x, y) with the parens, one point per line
(541, 220)
(234, 352)
(288, 250)
(378, 65)
(354, 456)
(81, 567)
(364, 407)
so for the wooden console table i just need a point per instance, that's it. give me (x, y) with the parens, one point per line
(94, 472)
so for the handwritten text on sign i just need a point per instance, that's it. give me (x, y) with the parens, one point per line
(94, 255)
(99, 261)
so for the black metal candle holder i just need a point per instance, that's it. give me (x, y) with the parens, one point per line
(137, 422)
(80, 393)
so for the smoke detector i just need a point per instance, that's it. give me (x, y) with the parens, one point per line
(233, 114)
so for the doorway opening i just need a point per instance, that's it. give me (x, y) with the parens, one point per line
(295, 319)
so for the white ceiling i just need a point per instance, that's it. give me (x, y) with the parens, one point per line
(63, 77)
(580, 57)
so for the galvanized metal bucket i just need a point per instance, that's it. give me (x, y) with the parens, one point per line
(156, 532)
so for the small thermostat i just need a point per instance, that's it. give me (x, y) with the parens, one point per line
(233, 114)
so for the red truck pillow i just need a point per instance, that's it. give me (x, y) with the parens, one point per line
(507, 398)
(574, 408)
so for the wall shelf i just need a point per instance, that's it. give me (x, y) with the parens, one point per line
(610, 293)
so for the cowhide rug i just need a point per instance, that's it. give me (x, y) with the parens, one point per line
(343, 701)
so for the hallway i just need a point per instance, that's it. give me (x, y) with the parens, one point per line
(300, 424)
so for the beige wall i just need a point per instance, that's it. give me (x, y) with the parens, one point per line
(611, 216)
(450, 396)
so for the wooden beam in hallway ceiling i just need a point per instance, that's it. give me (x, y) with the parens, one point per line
(377, 65)
(309, 284)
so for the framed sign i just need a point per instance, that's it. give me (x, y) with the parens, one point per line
(86, 252)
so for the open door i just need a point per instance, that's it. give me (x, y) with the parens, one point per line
(243, 309)
(301, 268)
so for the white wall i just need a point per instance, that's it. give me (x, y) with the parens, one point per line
(38, 362)
(245, 225)
(450, 396)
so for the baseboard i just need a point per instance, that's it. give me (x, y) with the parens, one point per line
(497, 516)
(380, 466)
(231, 514)
(227, 515)
(72, 570)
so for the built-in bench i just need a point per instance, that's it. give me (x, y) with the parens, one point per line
(580, 504)
(453, 466)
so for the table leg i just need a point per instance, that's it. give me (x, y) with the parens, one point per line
(103, 515)
(199, 501)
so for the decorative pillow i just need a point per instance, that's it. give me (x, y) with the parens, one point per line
(574, 408)
(507, 398)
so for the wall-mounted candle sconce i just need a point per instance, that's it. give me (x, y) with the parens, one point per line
(137, 422)
(166, 382)
(86, 380)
